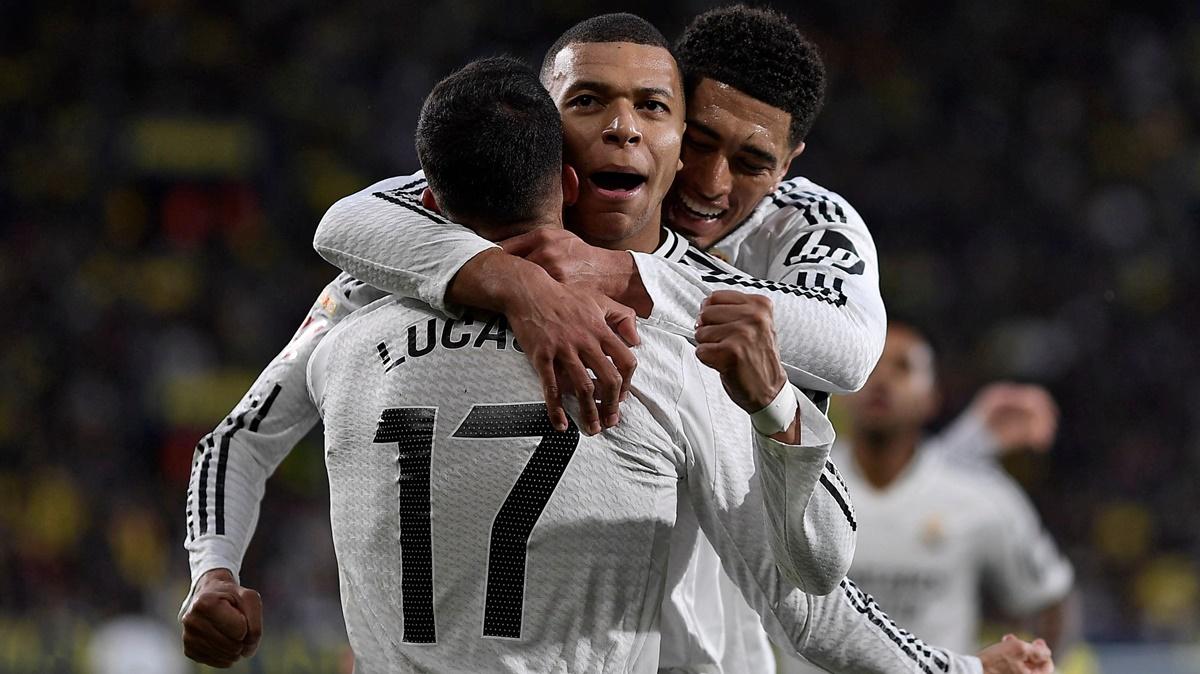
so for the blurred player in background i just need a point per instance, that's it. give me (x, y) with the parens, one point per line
(936, 535)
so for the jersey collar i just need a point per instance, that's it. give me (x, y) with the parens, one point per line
(673, 246)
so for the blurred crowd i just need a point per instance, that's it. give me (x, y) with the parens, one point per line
(1030, 171)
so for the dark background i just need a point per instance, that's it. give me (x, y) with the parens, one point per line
(1030, 172)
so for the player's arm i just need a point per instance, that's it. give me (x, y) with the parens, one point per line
(808, 508)
(841, 631)
(817, 263)
(229, 473)
(1004, 418)
(1023, 567)
(386, 236)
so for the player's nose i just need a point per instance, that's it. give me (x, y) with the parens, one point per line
(622, 130)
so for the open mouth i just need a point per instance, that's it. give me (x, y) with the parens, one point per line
(698, 210)
(617, 183)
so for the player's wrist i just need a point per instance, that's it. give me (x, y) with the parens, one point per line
(497, 281)
(778, 415)
(216, 576)
(626, 287)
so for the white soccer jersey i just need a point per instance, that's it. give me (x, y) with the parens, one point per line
(231, 464)
(822, 276)
(941, 535)
(810, 251)
(472, 537)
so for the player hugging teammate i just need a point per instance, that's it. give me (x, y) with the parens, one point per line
(673, 519)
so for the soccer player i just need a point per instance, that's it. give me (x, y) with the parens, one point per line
(933, 535)
(233, 462)
(608, 76)
(522, 548)
(755, 86)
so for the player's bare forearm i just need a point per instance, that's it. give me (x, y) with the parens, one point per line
(564, 331)
(568, 259)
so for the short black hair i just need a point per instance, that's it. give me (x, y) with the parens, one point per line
(616, 27)
(490, 141)
(761, 53)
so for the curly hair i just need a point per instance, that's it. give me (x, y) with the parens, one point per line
(761, 53)
(616, 27)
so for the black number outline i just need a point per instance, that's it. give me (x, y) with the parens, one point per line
(508, 544)
(412, 430)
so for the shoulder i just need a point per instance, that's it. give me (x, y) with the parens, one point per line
(989, 491)
(800, 204)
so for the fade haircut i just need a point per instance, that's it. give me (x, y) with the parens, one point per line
(762, 54)
(490, 141)
(617, 27)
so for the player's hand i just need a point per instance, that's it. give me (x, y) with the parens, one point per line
(736, 337)
(568, 259)
(223, 623)
(1020, 416)
(1014, 656)
(566, 331)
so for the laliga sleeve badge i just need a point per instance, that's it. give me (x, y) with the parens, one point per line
(327, 302)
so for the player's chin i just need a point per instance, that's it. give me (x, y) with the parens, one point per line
(602, 220)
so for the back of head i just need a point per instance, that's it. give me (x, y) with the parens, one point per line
(616, 27)
(490, 142)
(761, 53)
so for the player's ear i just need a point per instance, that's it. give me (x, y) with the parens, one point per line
(429, 201)
(570, 185)
(787, 163)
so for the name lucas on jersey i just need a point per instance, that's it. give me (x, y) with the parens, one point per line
(421, 338)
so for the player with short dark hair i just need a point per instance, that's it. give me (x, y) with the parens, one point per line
(606, 28)
(565, 576)
(935, 536)
(454, 140)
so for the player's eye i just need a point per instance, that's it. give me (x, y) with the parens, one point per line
(582, 101)
(656, 106)
(752, 168)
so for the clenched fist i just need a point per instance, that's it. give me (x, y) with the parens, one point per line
(223, 624)
(736, 337)
(1014, 656)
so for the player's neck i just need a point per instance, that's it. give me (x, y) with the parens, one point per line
(881, 457)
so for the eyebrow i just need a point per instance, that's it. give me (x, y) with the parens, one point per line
(606, 88)
(752, 150)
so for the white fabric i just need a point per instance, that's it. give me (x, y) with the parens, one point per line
(809, 251)
(940, 536)
(231, 464)
(814, 248)
(597, 554)
(778, 414)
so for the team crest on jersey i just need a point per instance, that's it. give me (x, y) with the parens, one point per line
(826, 246)
(933, 532)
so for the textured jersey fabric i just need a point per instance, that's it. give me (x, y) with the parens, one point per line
(941, 536)
(809, 251)
(819, 263)
(231, 464)
(470, 537)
